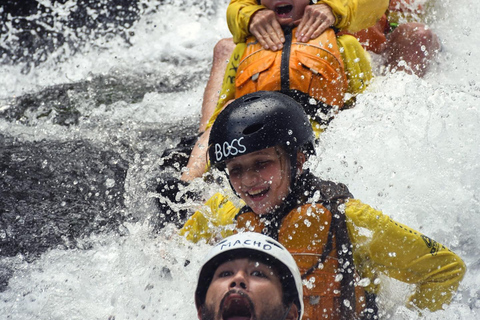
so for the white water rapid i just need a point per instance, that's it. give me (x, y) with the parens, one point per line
(410, 147)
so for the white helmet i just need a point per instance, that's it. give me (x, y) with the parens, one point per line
(254, 244)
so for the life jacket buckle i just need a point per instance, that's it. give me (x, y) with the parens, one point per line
(314, 300)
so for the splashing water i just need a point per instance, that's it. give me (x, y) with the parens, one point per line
(108, 109)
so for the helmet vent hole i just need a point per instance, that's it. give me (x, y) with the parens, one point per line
(251, 98)
(253, 128)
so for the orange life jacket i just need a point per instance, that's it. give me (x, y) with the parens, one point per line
(305, 232)
(302, 70)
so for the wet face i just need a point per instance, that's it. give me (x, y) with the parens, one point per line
(244, 289)
(287, 11)
(261, 178)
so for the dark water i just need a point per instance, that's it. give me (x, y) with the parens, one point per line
(57, 190)
(53, 193)
(31, 31)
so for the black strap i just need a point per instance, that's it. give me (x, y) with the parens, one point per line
(285, 62)
(371, 308)
(345, 258)
(327, 249)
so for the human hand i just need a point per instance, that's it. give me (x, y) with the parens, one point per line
(316, 19)
(265, 27)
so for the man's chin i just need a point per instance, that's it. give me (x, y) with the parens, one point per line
(286, 22)
(289, 22)
(260, 210)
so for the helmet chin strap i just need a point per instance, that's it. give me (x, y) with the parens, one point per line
(294, 172)
(287, 312)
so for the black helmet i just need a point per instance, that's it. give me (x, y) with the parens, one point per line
(258, 121)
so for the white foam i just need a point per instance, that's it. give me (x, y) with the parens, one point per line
(410, 148)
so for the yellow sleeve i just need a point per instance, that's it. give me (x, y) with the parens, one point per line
(214, 220)
(357, 62)
(351, 15)
(355, 15)
(381, 244)
(239, 13)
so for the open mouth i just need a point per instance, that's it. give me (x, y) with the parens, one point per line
(283, 9)
(237, 307)
(256, 194)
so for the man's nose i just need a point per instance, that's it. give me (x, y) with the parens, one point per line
(239, 281)
(250, 177)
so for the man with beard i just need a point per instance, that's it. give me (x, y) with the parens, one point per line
(249, 276)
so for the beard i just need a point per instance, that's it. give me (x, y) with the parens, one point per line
(272, 312)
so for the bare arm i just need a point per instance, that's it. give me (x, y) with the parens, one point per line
(263, 25)
(266, 29)
(352, 15)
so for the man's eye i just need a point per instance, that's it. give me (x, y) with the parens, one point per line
(235, 171)
(258, 273)
(261, 164)
(224, 274)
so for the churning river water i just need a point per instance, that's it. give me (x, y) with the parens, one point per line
(92, 94)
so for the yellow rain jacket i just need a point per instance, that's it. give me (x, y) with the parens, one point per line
(352, 15)
(380, 246)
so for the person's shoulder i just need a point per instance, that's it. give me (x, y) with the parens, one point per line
(329, 190)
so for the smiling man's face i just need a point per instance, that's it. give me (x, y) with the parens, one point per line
(244, 289)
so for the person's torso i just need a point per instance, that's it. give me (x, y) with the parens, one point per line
(307, 233)
(312, 73)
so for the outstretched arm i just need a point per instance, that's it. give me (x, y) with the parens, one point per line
(352, 15)
(213, 220)
(355, 15)
(239, 13)
(394, 249)
(247, 17)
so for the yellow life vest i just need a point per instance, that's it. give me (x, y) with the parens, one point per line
(306, 233)
(302, 70)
